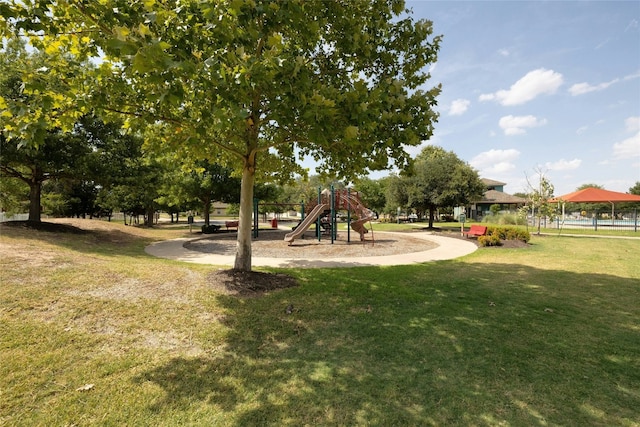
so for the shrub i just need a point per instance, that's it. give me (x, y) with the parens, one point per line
(210, 229)
(509, 233)
(492, 239)
(504, 219)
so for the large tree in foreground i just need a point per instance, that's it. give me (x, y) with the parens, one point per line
(255, 84)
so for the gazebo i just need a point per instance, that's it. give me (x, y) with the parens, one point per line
(596, 195)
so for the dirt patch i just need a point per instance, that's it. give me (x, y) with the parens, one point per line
(513, 244)
(249, 283)
(96, 231)
(271, 244)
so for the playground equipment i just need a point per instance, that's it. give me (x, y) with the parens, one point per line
(312, 217)
(351, 201)
(274, 220)
(334, 201)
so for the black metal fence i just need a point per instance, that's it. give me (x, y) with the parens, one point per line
(596, 220)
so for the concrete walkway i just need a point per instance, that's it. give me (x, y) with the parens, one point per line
(448, 248)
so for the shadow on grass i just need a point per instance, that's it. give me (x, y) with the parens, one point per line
(446, 343)
(109, 241)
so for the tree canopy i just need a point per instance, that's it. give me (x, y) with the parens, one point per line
(438, 178)
(250, 84)
(56, 154)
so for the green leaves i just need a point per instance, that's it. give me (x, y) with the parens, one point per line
(317, 72)
(338, 81)
(35, 92)
(439, 178)
(351, 132)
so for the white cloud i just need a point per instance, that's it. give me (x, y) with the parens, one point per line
(503, 52)
(582, 88)
(632, 124)
(563, 165)
(631, 76)
(582, 130)
(533, 84)
(517, 125)
(495, 162)
(459, 107)
(630, 147)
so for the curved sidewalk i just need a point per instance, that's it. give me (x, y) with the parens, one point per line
(448, 248)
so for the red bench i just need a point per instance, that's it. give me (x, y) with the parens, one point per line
(476, 231)
(231, 224)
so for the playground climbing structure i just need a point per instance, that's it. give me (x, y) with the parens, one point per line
(351, 202)
(345, 200)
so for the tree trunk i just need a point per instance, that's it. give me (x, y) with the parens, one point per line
(149, 216)
(207, 211)
(432, 211)
(243, 249)
(35, 189)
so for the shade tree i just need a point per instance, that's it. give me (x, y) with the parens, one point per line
(372, 193)
(437, 179)
(204, 183)
(253, 85)
(59, 156)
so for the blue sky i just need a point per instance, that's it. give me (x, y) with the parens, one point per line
(549, 86)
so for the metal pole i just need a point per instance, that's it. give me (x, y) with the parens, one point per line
(318, 220)
(301, 216)
(332, 214)
(349, 215)
(255, 217)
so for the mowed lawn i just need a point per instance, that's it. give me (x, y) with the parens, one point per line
(95, 332)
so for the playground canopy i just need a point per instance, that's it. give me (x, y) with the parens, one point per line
(596, 195)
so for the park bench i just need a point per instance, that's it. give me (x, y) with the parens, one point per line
(476, 231)
(231, 224)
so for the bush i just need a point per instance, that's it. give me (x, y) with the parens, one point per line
(509, 233)
(492, 239)
(210, 229)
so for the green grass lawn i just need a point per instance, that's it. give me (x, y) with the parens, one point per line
(545, 335)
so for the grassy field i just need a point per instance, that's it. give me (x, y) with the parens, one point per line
(95, 332)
